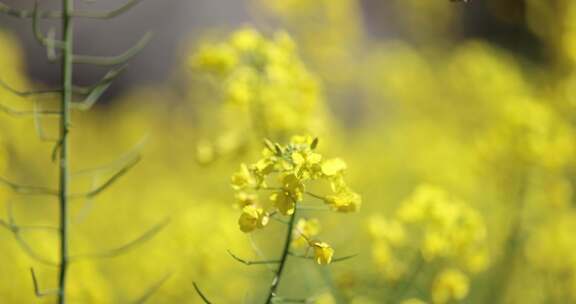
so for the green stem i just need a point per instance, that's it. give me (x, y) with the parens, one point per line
(66, 100)
(283, 259)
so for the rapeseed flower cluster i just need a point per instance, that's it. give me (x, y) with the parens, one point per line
(438, 229)
(265, 89)
(276, 185)
(491, 123)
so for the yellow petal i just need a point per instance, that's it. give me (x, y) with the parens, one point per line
(333, 166)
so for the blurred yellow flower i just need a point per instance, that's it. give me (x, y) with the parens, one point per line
(382, 254)
(244, 199)
(246, 39)
(325, 298)
(344, 201)
(476, 261)
(217, 58)
(333, 166)
(450, 285)
(391, 231)
(263, 81)
(305, 230)
(242, 179)
(434, 245)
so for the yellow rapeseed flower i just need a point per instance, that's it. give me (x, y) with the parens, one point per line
(293, 185)
(391, 231)
(333, 166)
(305, 230)
(264, 81)
(218, 59)
(285, 203)
(242, 179)
(434, 245)
(323, 253)
(450, 285)
(244, 199)
(286, 170)
(251, 218)
(246, 39)
(345, 201)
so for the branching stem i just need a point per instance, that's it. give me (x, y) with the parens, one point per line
(283, 259)
(65, 102)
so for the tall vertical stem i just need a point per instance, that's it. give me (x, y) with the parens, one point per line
(283, 259)
(68, 35)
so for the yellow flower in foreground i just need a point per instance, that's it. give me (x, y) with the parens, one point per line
(287, 170)
(307, 161)
(293, 185)
(323, 253)
(449, 285)
(251, 218)
(284, 202)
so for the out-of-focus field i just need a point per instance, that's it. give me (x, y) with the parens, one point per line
(463, 153)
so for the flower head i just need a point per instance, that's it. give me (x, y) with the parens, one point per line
(242, 179)
(305, 230)
(254, 71)
(284, 202)
(390, 231)
(333, 167)
(323, 253)
(251, 218)
(344, 201)
(244, 199)
(450, 285)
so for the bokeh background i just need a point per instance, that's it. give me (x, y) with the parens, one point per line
(455, 119)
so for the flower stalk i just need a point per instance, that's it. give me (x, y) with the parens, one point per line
(283, 259)
(66, 100)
